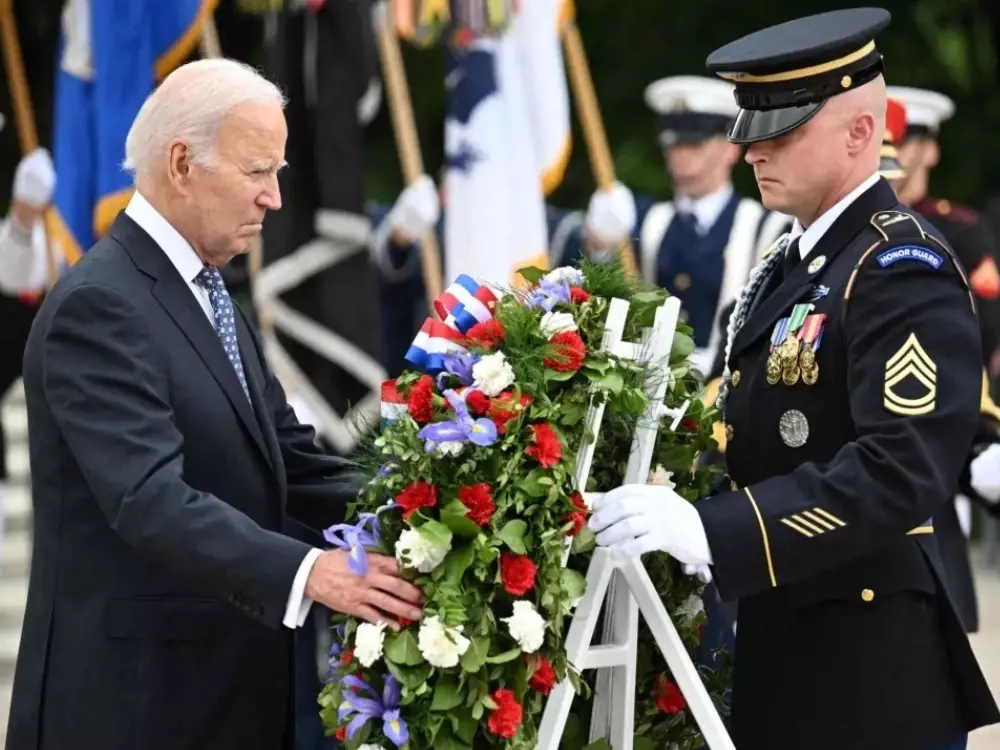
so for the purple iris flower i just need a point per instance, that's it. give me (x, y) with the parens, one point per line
(335, 654)
(365, 709)
(460, 365)
(549, 294)
(356, 537)
(461, 429)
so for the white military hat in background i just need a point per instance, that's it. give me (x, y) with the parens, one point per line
(925, 109)
(691, 108)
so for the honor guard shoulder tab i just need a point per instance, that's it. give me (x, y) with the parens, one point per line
(897, 224)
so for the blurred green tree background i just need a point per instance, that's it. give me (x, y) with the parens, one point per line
(946, 45)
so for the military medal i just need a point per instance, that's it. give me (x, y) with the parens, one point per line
(812, 331)
(774, 358)
(794, 428)
(788, 351)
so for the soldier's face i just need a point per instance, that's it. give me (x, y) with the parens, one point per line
(691, 163)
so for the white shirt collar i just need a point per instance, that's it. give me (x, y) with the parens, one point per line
(178, 249)
(812, 235)
(706, 210)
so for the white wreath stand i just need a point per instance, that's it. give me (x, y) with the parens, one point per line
(623, 583)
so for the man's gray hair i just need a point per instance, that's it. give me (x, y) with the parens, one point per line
(191, 104)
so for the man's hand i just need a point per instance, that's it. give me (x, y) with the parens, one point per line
(610, 216)
(35, 179)
(379, 596)
(639, 518)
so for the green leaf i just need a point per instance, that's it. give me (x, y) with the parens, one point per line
(534, 483)
(512, 534)
(532, 274)
(601, 744)
(453, 515)
(435, 532)
(558, 376)
(464, 726)
(410, 678)
(401, 648)
(446, 740)
(600, 366)
(572, 583)
(683, 346)
(457, 562)
(612, 381)
(475, 656)
(505, 657)
(641, 742)
(447, 694)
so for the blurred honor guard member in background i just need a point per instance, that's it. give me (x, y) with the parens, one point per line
(166, 460)
(701, 245)
(851, 398)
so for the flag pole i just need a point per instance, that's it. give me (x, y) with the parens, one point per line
(17, 82)
(591, 122)
(407, 142)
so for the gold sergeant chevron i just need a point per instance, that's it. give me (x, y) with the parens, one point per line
(910, 361)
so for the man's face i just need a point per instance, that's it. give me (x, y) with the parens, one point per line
(231, 198)
(795, 170)
(688, 162)
(918, 156)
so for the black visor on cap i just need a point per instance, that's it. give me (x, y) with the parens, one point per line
(754, 125)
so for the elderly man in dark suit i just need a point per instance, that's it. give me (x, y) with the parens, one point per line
(165, 459)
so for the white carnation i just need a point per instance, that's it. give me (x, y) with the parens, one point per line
(572, 276)
(662, 477)
(370, 746)
(526, 626)
(493, 374)
(439, 644)
(557, 322)
(368, 643)
(449, 447)
(414, 550)
(691, 608)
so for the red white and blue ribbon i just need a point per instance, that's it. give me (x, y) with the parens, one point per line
(465, 303)
(460, 307)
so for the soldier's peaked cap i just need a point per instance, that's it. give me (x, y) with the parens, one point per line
(785, 73)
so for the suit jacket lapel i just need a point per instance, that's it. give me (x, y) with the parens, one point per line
(848, 225)
(173, 294)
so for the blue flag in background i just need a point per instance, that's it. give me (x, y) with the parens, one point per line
(111, 56)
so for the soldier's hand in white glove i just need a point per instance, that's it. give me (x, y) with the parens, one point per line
(638, 518)
(610, 216)
(35, 179)
(416, 210)
(984, 474)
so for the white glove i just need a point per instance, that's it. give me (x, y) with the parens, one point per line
(416, 210)
(35, 179)
(984, 473)
(639, 518)
(703, 572)
(611, 215)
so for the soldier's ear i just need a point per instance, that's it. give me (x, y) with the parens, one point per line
(862, 131)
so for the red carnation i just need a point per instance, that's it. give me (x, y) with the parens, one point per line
(543, 679)
(477, 401)
(669, 698)
(546, 449)
(347, 657)
(570, 351)
(517, 573)
(689, 424)
(505, 720)
(341, 734)
(420, 401)
(403, 622)
(503, 409)
(417, 495)
(578, 295)
(487, 334)
(477, 499)
(577, 517)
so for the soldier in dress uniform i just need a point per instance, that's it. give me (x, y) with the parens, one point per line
(851, 399)
(701, 245)
(23, 272)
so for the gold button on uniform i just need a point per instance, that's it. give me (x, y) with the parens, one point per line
(729, 432)
(867, 595)
(735, 380)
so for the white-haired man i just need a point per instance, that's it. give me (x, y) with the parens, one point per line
(851, 398)
(163, 595)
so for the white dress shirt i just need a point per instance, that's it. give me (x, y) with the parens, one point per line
(23, 257)
(707, 209)
(809, 237)
(189, 265)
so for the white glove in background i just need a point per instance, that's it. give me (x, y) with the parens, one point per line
(639, 518)
(416, 210)
(984, 473)
(35, 179)
(611, 215)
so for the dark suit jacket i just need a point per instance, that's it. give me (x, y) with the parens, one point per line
(159, 577)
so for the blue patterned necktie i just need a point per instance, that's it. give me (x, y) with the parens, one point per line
(210, 279)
